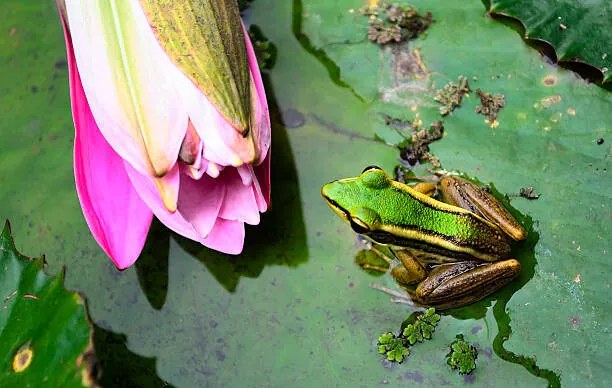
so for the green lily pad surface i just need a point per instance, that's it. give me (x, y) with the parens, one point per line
(44, 329)
(295, 309)
(578, 31)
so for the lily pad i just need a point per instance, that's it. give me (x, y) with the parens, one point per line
(44, 331)
(539, 132)
(295, 309)
(578, 31)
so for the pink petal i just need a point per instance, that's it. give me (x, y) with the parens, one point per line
(261, 185)
(261, 113)
(118, 219)
(226, 236)
(246, 174)
(239, 203)
(168, 188)
(145, 186)
(223, 145)
(200, 202)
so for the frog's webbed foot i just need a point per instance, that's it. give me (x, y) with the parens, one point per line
(397, 297)
(458, 284)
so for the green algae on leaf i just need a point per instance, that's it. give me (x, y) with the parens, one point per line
(44, 331)
(412, 139)
(578, 31)
(462, 355)
(529, 193)
(490, 105)
(395, 22)
(451, 95)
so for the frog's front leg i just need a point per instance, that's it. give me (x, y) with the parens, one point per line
(458, 284)
(410, 270)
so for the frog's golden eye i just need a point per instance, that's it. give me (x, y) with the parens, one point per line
(372, 167)
(358, 225)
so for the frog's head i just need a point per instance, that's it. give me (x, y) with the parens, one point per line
(355, 199)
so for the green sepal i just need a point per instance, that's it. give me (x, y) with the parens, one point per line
(204, 38)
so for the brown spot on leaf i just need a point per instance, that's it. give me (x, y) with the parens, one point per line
(409, 64)
(550, 100)
(22, 358)
(574, 321)
(549, 80)
(292, 118)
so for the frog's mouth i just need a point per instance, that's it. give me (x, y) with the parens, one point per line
(337, 209)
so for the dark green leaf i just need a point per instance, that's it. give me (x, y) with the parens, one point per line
(44, 331)
(578, 31)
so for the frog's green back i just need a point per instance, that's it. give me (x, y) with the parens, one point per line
(395, 214)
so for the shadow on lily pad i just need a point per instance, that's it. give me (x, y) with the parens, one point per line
(119, 366)
(280, 238)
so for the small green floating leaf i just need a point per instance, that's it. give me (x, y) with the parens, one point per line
(44, 331)
(371, 261)
(422, 328)
(393, 347)
(265, 51)
(398, 353)
(462, 355)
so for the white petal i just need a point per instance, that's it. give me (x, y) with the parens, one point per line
(126, 79)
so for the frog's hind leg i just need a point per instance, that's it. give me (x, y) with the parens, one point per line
(465, 194)
(458, 284)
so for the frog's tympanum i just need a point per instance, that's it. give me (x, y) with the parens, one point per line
(456, 252)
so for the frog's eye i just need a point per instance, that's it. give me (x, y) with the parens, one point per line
(374, 177)
(358, 225)
(372, 167)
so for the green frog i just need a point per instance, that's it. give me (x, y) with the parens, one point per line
(456, 251)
